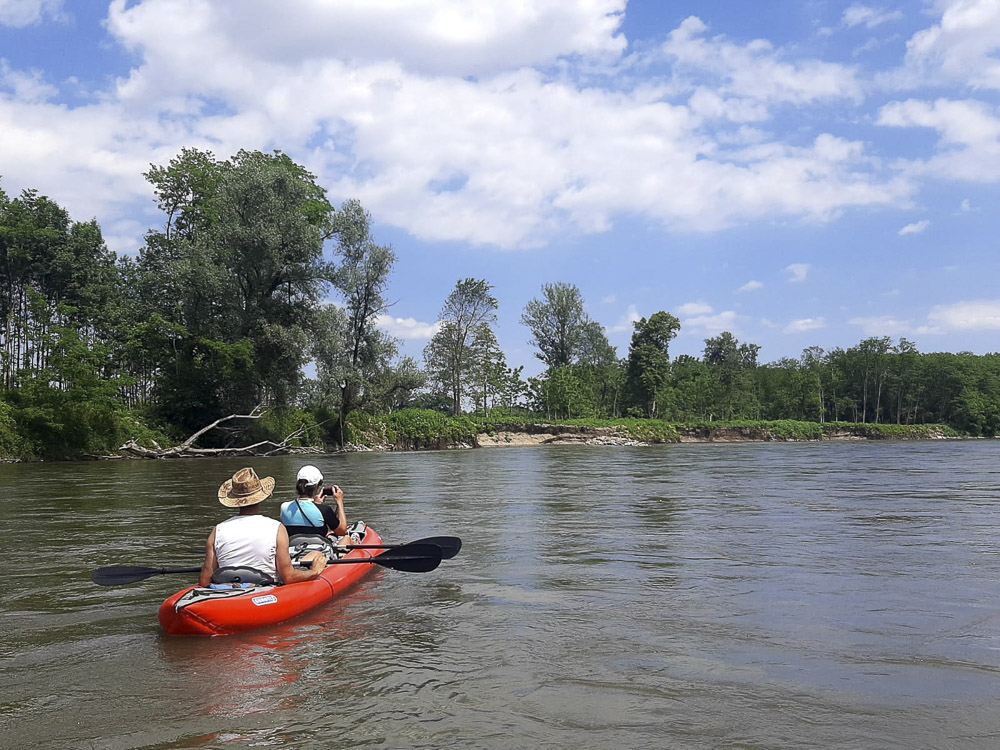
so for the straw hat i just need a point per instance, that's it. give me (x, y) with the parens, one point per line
(245, 488)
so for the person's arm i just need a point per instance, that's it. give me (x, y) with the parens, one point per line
(287, 572)
(332, 517)
(211, 562)
(338, 495)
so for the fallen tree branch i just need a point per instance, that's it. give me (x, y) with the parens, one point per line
(188, 449)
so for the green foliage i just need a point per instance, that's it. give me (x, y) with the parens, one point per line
(13, 445)
(278, 424)
(236, 274)
(352, 353)
(223, 308)
(464, 338)
(560, 329)
(410, 428)
(648, 361)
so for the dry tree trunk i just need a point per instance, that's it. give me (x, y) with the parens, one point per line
(188, 449)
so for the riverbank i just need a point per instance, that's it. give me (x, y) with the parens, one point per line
(466, 433)
(421, 430)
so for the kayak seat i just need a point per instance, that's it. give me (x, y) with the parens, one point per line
(242, 574)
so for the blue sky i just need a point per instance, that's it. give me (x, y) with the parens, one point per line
(799, 173)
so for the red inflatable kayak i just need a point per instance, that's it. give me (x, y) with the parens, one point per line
(206, 611)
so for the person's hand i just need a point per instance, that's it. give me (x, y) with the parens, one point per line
(338, 494)
(318, 563)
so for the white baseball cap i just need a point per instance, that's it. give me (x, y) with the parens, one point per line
(311, 474)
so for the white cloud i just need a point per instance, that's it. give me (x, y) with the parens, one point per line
(407, 328)
(805, 324)
(915, 228)
(433, 37)
(751, 286)
(624, 324)
(27, 86)
(700, 319)
(609, 300)
(863, 15)
(445, 118)
(981, 315)
(883, 325)
(21, 13)
(969, 133)
(502, 123)
(689, 309)
(797, 272)
(756, 71)
(962, 48)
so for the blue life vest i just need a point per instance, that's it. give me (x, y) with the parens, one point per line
(302, 513)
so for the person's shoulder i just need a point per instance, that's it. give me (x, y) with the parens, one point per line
(265, 520)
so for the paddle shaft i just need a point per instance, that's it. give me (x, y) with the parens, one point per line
(413, 558)
(450, 545)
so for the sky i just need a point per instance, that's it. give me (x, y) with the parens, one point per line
(796, 172)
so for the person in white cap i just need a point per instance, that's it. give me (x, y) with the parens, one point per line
(250, 539)
(308, 513)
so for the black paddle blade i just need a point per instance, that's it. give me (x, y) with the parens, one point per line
(450, 545)
(413, 558)
(119, 575)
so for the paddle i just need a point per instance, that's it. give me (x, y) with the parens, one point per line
(119, 575)
(450, 545)
(412, 558)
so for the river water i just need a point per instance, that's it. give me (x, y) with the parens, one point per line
(821, 595)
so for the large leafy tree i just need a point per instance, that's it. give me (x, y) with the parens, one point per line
(558, 324)
(232, 280)
(582, 375)
(648, 366)
(733, 364)
(451, 356)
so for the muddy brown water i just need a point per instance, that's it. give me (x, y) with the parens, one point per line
(832, 595)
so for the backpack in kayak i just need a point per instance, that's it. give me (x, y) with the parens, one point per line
(300, 544)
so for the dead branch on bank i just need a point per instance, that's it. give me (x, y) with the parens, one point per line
(188, 449)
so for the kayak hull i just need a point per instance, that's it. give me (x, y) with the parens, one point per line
(189, 613)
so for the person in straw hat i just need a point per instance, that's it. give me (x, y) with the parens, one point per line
(250, 539)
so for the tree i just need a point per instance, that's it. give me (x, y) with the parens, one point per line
(362, 278)
(54, 274)
(558, 324)
(468, 312)
(648, 360)
(236, 275)
(814, 361)
(733, 362)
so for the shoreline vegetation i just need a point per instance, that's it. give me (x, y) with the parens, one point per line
(411, 430)
(416, 430)
(259, 299)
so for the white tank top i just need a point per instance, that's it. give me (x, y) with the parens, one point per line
(248, 540)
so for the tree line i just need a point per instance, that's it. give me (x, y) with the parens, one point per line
(224, 305)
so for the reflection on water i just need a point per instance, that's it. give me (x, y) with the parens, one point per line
(806, 595)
